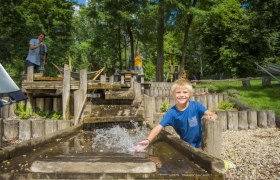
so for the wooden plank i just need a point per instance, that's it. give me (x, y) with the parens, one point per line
(88, 119)
(48, 85)
(66, 93)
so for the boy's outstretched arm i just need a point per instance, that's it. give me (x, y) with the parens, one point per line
(210, 115)
(154, 132)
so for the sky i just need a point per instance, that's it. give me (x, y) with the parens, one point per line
(81, 1)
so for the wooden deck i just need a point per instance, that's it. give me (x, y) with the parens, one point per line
(36, 86)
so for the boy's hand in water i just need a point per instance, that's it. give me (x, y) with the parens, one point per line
(142, 145)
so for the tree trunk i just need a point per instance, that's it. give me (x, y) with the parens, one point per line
(120, 48)
(160, 40)
(131, 38)
(187, 26)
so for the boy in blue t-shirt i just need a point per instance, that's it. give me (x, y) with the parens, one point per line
(184, 117)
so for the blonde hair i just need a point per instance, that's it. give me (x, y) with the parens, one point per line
(182, 83)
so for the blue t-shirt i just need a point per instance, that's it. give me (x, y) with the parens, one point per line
(34, 54)
(186, 123)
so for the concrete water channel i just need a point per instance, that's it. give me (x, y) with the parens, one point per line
(77, 157)
(105, 151)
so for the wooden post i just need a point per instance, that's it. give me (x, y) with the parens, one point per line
(266, 81)
(12, 108)
(11, 129)
(111, 79)
(149, 106)
(209, 101)
(262, 119)
(66, 93)
(30, 73)
(122, 79)
(40, 103)
(80, 96)
(242, 120)
(24, 129)
(48, 105)
(212, 137)
(252, 119)
(57, 104)
(5, 109)
(271, 118)
(232, 120)
(29, 102)
(1, 131)
(246, 83)
(38, 128)
(103, 78)
(222, 115)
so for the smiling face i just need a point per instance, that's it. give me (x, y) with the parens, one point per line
(182, 91)
(41, 37)
(182, 95)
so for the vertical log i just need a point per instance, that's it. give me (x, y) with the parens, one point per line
(40, 103)
(222, 117)
(78, 103)
(262, 119)
(62, 124)
(12, 108)
(203, 100)
(242, 120)
(24, 129)
(158, 102)
(38, 128)
(246, 83)
(215, 100)
(149, 108)
(50, 126)
(5, 109)
(80, 96)
(212, 137)
(209, 101)
(57, 105)
(1, 131)
(142, 80)
(111, 79)
(48, 105)
(66, 93)
(122, 79)
(10, 129)
(29, 102)
(30, 73)
(271, 118)
(252, 119)
(266, 81)
(220, 98)
(232, 117)
(102, 78)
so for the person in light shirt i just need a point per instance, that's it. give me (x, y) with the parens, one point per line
(37, 53)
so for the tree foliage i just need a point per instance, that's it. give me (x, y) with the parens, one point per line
(205, 37)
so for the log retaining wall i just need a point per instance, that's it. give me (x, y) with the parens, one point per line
(27, 129)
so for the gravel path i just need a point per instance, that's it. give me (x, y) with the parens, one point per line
(256, 153)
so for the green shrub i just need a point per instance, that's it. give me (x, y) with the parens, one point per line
(164, 106)
(226, 105)
(22, 112)
(55, 115)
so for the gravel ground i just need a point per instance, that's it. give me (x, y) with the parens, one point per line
(256, 153)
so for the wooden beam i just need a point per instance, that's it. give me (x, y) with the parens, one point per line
(66, 93)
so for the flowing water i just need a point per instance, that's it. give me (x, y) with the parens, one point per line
(110, 142)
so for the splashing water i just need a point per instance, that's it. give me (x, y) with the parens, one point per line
(119, 139)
